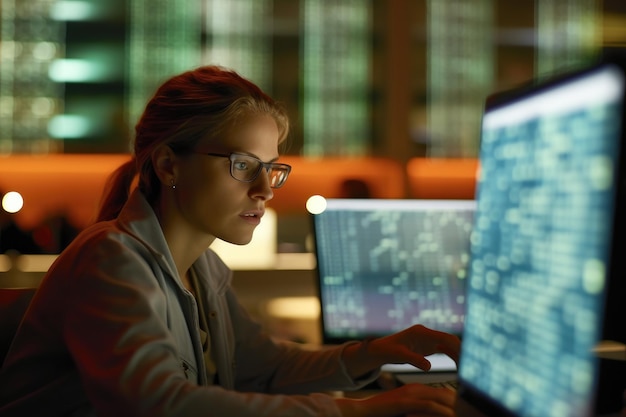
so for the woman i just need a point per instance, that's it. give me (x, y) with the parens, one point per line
(137, 317)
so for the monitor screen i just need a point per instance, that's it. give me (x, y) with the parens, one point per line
(541, 245)
(384, 265)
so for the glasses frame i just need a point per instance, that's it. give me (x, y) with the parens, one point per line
(267, 166)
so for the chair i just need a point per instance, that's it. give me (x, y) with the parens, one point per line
(13, 305)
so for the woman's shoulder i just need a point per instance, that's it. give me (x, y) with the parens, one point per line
(102, 244)
(102, 255)
(102, 233)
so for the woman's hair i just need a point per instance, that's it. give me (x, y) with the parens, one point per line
(194, 105)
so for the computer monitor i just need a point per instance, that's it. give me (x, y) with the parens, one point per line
(546, 259)
(384, 265)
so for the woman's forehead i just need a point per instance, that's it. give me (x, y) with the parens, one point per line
(256, 135)
(252, 130)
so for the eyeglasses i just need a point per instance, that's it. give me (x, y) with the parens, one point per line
(246, 168)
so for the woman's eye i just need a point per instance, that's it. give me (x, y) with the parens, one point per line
(241, 165)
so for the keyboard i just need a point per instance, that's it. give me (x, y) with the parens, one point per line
(450, 384)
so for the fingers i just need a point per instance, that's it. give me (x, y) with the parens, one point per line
(447, 344)
(453, 353)
(421, 363)
(440, 402)
(433, 410)
(403, 354)
(410, 399)
(442, 342)
(413, 344)
(430, 401)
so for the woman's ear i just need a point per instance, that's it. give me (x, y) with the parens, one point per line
(165, 161)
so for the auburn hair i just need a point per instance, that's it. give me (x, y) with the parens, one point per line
(191, 106)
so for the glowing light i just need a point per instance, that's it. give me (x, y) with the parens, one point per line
(294, 307)
(69, 126)
(44, 51)
(72, 10)
(12, 202)
(594, 273)
(34, 263)
(316, 204)
(5, 263)
(77, 70)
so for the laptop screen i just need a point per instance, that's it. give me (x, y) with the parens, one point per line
(385, 264)
(541, 246)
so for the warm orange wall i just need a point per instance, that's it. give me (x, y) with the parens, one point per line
(71, 184)
(57, 184)
(442, 178)
(385, 178)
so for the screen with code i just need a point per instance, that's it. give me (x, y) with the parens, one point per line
(541, 245)
(384, 265)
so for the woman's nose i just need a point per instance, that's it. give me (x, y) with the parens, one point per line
(261, 186)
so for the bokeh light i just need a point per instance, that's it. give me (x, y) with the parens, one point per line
(12, 202)
(316, 204)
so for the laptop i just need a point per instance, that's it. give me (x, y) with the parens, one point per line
(546, 256)
(384, 265)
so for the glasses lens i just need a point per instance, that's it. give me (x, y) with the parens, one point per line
(245, 168)
(278, 176)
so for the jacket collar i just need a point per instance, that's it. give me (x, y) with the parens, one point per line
(139, 219)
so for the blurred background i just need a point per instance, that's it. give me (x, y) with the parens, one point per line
(385, 99)
(396, 78)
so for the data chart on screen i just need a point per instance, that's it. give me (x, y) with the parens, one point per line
(385, 265)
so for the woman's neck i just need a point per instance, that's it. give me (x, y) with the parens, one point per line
(186, 244)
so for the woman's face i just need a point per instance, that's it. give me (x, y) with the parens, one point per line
(210, 200)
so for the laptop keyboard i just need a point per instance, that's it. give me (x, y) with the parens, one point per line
(451, 384)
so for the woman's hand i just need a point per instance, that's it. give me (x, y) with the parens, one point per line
(411, 399)
(413, 344)
(407, 346)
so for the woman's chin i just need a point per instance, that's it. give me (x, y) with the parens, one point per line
(240, 241)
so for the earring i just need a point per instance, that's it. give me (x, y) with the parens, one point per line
(173, 184)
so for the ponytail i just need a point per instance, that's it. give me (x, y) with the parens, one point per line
(117, 190)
